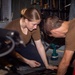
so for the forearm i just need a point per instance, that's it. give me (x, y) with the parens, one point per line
(62, 69)
(19, 57)
(42, 53)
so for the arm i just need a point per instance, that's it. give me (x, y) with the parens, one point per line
(31, 63)
(65, 62)
(19, 56)
(42, 53)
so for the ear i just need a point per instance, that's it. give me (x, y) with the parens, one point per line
(56, 30)
(53, 30)
(26, 20)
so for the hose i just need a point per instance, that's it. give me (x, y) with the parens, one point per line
(11, 48)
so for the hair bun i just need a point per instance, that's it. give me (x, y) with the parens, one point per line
(23, 11)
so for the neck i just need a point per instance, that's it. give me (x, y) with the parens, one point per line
(22, 23)
(23, 26)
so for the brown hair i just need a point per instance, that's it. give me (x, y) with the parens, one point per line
(30, 14)
(51, 22)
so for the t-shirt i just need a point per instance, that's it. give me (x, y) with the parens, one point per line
(15, 25)
(70, 36)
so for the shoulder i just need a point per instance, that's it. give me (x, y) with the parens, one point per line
(36, 34)
(13, 23)
(36, 30)
(72, 21)
(72, 24)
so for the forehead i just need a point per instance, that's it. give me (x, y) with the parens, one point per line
(36, 21)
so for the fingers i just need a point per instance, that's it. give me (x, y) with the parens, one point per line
(52, 67)
(37, 64)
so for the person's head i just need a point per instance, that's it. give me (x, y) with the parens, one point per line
(51, 26)
(31, 17)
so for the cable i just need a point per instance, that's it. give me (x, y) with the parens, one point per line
(12, 47)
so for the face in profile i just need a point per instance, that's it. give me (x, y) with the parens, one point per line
(57, 33)
(32, 25)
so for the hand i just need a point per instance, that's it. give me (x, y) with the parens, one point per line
(33, 63)
(51, 67)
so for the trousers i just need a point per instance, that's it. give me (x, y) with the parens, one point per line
(30, 52)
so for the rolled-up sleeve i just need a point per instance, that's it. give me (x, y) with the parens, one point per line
(36, 34)
(70, 39)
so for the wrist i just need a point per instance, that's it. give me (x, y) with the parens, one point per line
(46, 66)
(26, 61)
